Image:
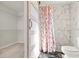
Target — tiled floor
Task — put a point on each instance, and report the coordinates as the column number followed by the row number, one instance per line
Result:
column 15, row 51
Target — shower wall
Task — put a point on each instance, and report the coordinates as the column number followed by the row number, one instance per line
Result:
column 8, row 34
column 61, row 20
column 75, row 24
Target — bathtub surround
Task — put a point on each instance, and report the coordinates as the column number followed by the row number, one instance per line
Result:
column 61, row 20
column 66, row 24
column 75, row 24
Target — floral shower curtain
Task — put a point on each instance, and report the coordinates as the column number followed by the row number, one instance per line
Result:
column 48, row 43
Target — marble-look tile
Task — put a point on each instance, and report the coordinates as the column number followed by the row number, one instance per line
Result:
column 61, row 22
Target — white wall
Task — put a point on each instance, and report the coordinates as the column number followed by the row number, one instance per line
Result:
column 7, row 26
column 20, row 29
column 75, row 23
column 61, row 20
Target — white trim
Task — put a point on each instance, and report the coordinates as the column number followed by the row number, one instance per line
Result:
column 8, row 45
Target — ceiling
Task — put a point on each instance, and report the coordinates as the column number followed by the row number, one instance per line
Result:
column 15, row 5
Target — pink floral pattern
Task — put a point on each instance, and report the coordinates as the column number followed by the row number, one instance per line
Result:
column 48, row 43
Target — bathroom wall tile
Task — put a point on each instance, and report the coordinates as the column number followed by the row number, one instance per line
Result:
column 61, row 22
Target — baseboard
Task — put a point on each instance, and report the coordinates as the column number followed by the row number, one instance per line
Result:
column 8, row 45
column 20, row 42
